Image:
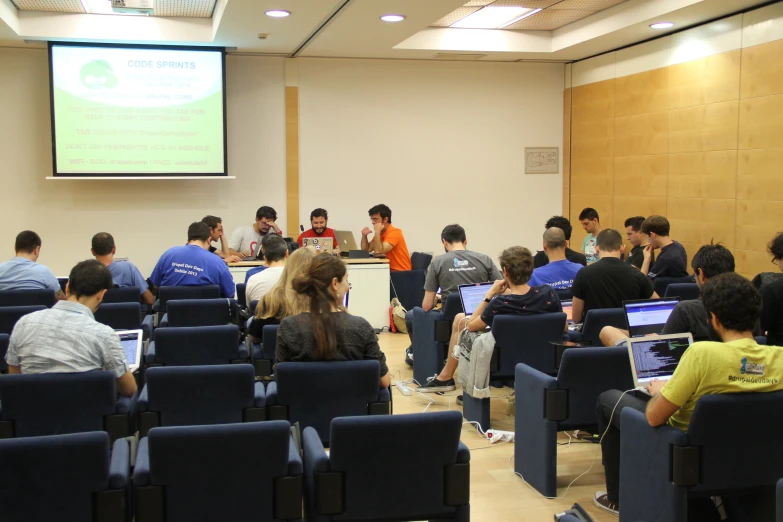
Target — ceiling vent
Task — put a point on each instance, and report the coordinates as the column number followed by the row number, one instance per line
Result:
column 458, row 56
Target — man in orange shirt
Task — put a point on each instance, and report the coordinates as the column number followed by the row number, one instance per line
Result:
column 387, row 239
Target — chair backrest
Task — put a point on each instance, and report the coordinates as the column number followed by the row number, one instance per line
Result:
column 730, row 443
column 9, row 315
column 120, row 316
column 199, row 312
column 420, row 261
column 252, row 307
column 525, row 339
column 127, row 294
column 408, row 287
column 53, row 478
column 43, row 297
column 452, row 307
column 196, row 345
column 660, row 284
column 206, row 470
column 269, row 341
column 418, row 471
column 596, row 319
column 317, row 392
column 57, row 403
column 191, row 395
column 588, row 372
column 4, row 338
column 685, row 291
column 242, row 294
column 167, row 293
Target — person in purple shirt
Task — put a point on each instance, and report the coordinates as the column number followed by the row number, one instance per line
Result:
column 124, row 273
column 193, row 265
column 559, row 273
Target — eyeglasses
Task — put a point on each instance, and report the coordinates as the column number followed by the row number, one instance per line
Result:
column 375, row 220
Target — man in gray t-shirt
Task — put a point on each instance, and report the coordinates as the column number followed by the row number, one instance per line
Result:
column 458, row 266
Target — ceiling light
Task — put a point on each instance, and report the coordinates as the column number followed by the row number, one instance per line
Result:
column 278, row 13
column 494, row 17
column 662, row 25
column 392, row 18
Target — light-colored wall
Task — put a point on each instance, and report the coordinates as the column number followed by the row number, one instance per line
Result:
column 145, row 217
column 439, row 143
column 687, row 126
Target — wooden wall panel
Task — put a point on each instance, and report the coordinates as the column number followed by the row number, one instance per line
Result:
column 760, row 175
column 703, row 174
column 591, row 175
column 641, row 134
column 707, row 80
column 567, row 109
column 292, row 159
column 642, row 93
column 594, row 101
column 630, row 206
column 761, row 124
column 592, row 139
column 762, row 70
column 640, row 176
column 703, row 127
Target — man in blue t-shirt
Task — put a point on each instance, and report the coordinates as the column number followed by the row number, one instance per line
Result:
column 193, row 265
column 23, row 272
column 559, row 273
column 123, row 273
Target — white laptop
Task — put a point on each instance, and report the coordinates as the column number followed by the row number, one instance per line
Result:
column 346, row 240
column 472, row 295
column 132, row 343
column 656, row 357
column 321, row 244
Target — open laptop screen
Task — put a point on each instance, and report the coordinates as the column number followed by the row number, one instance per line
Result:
column 472, row 295
column 568, row 307
column 131, row 341
column 648, row 316
column 657, row 357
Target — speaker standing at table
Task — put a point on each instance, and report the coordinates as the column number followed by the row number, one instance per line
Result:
column 387, row 239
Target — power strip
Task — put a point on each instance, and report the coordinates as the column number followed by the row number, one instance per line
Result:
column 403, row 389
column 500, row 436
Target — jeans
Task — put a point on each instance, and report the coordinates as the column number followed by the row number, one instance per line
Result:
column 610, row 447
column 409, row 324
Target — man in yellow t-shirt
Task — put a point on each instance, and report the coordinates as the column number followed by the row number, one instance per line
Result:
column 736, row 365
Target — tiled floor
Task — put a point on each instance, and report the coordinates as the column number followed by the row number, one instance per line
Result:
column 497, row 494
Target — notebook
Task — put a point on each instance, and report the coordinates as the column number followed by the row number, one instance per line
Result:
column 656, row 357
column 472, row 296
column 648, row 316
column 132, row 343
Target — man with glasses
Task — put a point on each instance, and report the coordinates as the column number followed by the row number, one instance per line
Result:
column 772, row 297
column 387, row 239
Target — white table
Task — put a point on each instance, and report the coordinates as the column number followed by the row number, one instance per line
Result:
column 369, row 280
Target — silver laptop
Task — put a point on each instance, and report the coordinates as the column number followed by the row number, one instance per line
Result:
column 346, row 240
column 321, row 244
column 472, row 296
column 656, row 357
column 648, row 316
column 133, row 343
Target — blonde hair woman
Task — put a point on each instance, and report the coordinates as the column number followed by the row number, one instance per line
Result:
column 282, row 301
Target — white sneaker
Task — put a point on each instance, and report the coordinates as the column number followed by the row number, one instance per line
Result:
column 601, row 500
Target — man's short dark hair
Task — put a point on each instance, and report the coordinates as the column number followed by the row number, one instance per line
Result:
column 88, row 278
column 562, row 223
column 733, row 300
column 27, row 241
column 102, row 243
column 775, row 246
column 635, row 223
column 383, row 210
column 274, row 248
column 198, row 231
column 609, row 240
column 518, row 262
column 453, row 234
column 713, row 260
column 319, row 212
column 212, row 221
column 554, row 238
column 588, row 213
column 267, row 213
column 658, row 225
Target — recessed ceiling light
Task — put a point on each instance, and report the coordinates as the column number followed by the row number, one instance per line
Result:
column 392, row 18
column 662, row 25
column 278, row 13
column 494, row 17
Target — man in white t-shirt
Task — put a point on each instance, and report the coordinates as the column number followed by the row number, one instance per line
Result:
column 275, row 253
column 245, row 241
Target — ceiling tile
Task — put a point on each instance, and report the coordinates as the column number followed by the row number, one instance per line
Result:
column 535, row 4
column 586, row 5
column 54, row 6
column 550, row 19
column 185, row 8
column 478, row 3
column 455, row 16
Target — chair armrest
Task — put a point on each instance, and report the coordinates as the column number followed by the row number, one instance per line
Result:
column 463, row 453
column 242, row 351
column 149, row 357
column 295, row 466
column 141, row 472
column 147, row 326
column 315, row 458
column 384, row 395
column 164, row 321
column 271, row 393
column 142, row 403
column 259, row 395
column 123, row 405
column 119, row 467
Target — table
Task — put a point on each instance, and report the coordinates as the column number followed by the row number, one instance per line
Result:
column 369, row 294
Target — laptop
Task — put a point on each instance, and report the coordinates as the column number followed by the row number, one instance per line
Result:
column 656, row 357
column 648, row 316
column 471, row 296
column 568, row 308
column 132, row 343
column 321, row 244
column 345, row 240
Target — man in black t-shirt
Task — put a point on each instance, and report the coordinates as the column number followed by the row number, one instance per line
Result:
column 563, row 224
column 672, row 261
column 633, row 231
column 608, row 282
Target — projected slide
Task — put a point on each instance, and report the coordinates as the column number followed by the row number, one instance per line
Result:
column 137, row 111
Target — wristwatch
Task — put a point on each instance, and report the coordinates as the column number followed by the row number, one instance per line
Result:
column 487, row 299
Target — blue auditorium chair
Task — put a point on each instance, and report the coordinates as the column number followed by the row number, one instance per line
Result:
column 545, row 405
column 660, row 284
column 43, row 297
column 594, row 321
column 199, row 312
column 242, row 295
column 58, row 403
column 420, row 261
column 367, row 465
column 226, row 472
column 779, row 501
column 685, row 291
column 431, row 334
column 124, row 316
column 263, row 353
column 194, row 395
column 4, row 338
column 126, row 294
column 314, row 393
column 408, row 287
column 65, row 477
column 518, row 339
column 196, row 345
column 168, row 293
column 9, row 315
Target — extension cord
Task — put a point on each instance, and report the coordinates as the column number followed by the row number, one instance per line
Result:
column 403, row 389
column 499, row 436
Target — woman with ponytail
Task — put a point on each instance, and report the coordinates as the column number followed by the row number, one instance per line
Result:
column 326, row 332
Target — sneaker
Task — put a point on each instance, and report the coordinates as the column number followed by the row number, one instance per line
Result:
column 459, row 400
column 409, row 356
column 601, row 500
column 435, row 386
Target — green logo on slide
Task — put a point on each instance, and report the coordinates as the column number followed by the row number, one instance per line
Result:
column 98, row 74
